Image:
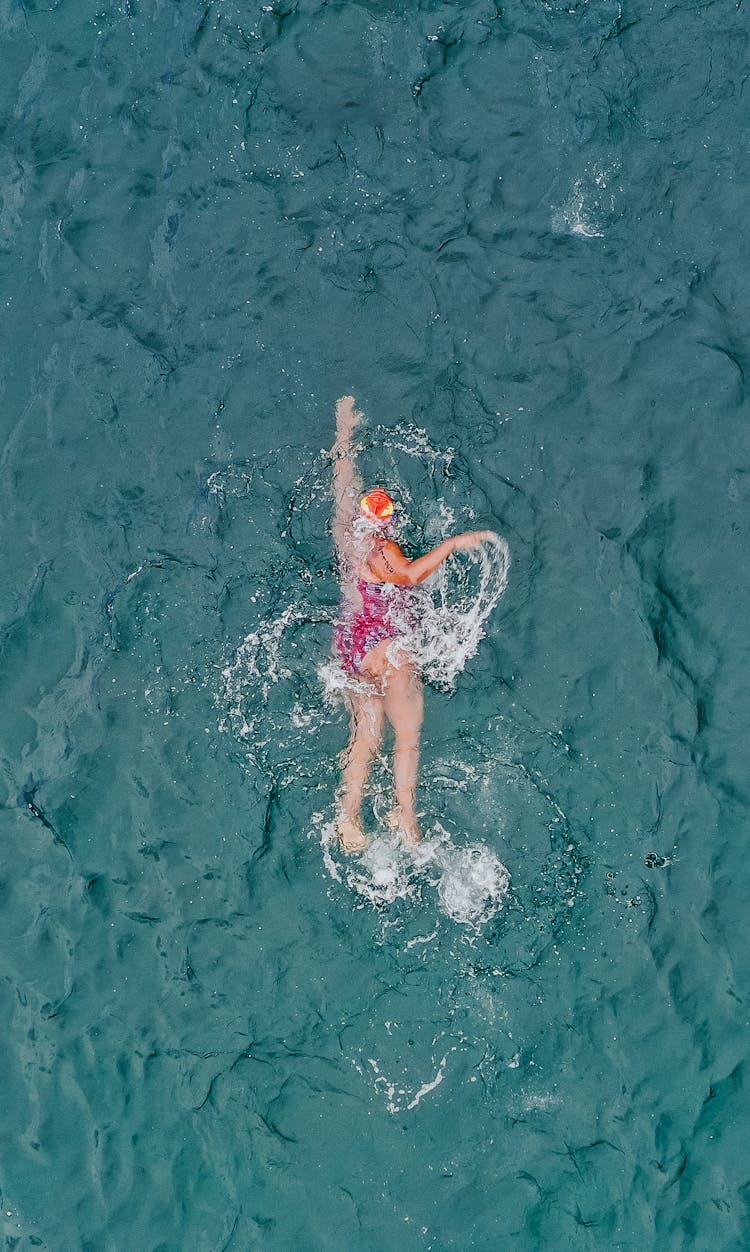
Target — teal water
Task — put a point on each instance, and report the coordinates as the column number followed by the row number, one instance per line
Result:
column 517, row 235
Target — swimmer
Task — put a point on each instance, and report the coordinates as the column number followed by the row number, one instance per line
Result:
column 390, row 685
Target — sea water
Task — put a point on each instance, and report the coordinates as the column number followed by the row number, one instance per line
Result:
column 515, row 235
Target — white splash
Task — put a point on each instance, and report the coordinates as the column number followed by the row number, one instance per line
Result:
column 413, row 441
column 255, row 667
column 589, row 200
column 444, row 623
column 573, row 214
column 471, row 882
column 401, row 1096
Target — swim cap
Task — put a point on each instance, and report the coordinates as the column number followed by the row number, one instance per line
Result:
column 377, row 506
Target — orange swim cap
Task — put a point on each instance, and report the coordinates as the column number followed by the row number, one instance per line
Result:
column 377, row 506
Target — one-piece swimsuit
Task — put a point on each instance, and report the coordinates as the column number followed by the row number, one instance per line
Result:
column 358, row 631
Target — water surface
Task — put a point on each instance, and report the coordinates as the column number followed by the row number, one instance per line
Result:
column 517, row 236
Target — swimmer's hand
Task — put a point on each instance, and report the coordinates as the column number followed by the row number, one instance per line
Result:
column 347, row 417
column 472, row 539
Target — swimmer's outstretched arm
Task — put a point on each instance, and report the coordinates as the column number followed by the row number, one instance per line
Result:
column 390, row 564
column 347, row 484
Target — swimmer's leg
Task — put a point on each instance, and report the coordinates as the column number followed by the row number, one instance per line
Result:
column 404, row 705
column 367, row 727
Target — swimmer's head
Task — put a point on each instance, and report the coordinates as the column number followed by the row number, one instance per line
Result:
column 377, row 506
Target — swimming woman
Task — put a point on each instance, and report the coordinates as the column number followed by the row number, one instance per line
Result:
column 375, row 578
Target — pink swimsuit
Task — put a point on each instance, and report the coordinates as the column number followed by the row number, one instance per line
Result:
column 359, row 630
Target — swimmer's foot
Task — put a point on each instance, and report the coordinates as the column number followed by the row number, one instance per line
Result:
column 351, row 835
column 408, row 831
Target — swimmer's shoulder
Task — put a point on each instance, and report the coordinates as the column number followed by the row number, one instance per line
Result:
column 387, row 563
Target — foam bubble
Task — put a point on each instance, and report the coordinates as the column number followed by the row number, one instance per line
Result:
column 473, row 884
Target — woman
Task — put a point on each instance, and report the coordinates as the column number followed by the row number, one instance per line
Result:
column 371, row 618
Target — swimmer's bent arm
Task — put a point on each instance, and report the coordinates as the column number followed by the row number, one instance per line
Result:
column 392, row 566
